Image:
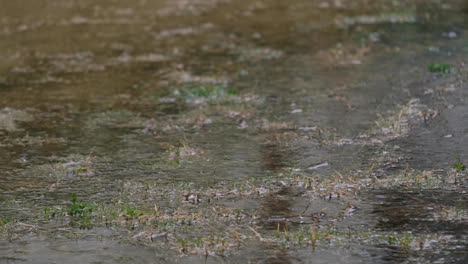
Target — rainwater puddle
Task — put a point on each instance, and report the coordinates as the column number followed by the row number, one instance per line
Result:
column 219, row 131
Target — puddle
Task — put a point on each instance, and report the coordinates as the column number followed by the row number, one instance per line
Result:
column 233, row 132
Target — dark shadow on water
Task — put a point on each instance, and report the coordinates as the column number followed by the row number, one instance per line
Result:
column 275, row 206
column 274, row 158
column 415, row 211
column 427, row 213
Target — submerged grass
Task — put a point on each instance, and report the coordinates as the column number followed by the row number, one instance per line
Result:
column 178, row 156
column 208, row 92
column 194, row 219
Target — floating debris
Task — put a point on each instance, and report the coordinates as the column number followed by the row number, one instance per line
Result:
column 316, row 166
column 296, row 111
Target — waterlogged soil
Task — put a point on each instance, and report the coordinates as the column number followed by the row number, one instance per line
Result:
column 232, row 131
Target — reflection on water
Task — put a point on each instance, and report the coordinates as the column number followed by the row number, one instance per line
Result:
column 430, row 213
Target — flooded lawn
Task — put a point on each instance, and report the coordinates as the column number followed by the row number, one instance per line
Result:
column 233, row 131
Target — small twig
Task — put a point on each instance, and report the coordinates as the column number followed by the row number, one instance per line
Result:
column 307, row 207
column 256, row 233
column 27, row 225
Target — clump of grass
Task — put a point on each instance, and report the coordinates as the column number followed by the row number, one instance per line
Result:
column 232, row 91
column 132, row 212
column 79, row 208
column 6, row 226
column 50, row 212
column 459, row 166
column 391, row 239
column 437, row 67
column 406, row 239
column 81, row 213
column 4, row 222
column 205, row 91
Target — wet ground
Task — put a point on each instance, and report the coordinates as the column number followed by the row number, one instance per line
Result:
column 232, row 131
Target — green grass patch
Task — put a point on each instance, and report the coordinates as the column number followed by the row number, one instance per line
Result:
column 232, row 91
column 438, row 67
column 4, row 222
column 80, row 208
column 459, row 166
column 50, row 212
column 207, row 91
